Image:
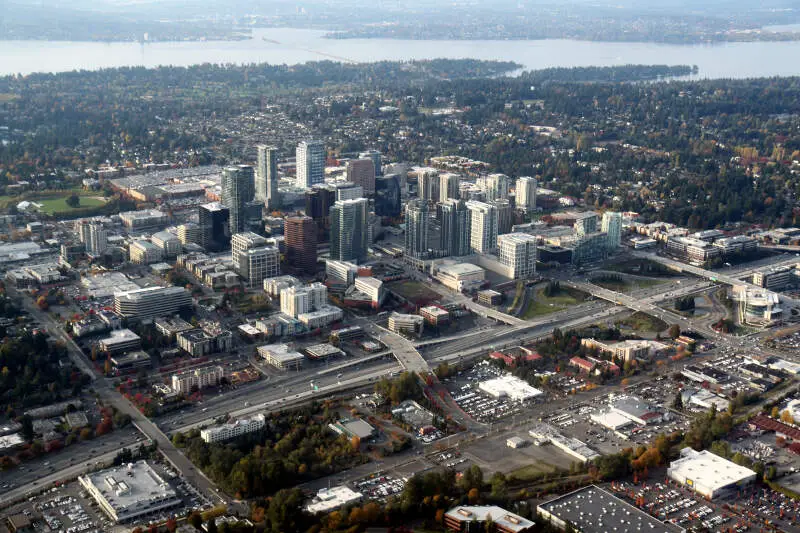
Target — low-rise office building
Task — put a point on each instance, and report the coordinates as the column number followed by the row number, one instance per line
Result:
column 198, row 342
column 120, row 341
column 234, row 428
column 409, row 324
column 281, row 356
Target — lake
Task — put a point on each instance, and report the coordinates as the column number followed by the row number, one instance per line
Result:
column 291, row 46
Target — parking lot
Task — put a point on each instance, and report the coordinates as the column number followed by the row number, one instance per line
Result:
column 380, row 486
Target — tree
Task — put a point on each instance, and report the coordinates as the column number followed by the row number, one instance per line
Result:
column 786, row 417
column 674, row 331
column 27, row 428
column 74, row 201
column 473, row 495
column 172, row 524
column 196, row 520
column 677, row 403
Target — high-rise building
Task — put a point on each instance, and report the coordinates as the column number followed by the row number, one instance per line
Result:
column 254, row 216
column 454, row 228
column 300, row 237
column 505, row 216
column 238, row 188
column 375, row 156
column 362, row 172
column 428, row 184
column 518, row 252
column 310, row 163
column 585, row 224
column 215, row 234
column 267, row 177
column 319, row 201
column 387, row 196
column 348, row 191
column 526, row 193
column 417, row 228
column 496, row 187
column 253, row 259
column 93, row 235
column 482, row 227
column 349, row 230
column 448, row 186
column 612, row 224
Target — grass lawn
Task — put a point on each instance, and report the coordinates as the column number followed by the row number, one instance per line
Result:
column 531, row 471
column 544, row 305
column 56, row 204
column 639, row 321
column 627, row 285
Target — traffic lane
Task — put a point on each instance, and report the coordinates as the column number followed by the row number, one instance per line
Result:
column 78, row 453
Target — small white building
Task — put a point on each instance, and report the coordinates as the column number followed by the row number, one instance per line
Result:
column 333, row 498
column 510, row 387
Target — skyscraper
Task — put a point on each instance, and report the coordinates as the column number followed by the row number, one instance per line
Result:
column 375, row 156
column 300, row 237
column 448, row 186
column 238, row 188
column 496, row 187
column 215, row 234
column 387, row 195
column 362, row 172
column 349, row 230
column 319, row 201
column 585, row 223
column 348, row 191
column 482, row 227
column 310, row 163
column 428, row 184
column 93, row 235
column 505, row 216
column 253, row 259
column 417, row 228
column 267, row 177
column 526, row 193
column 455, row 229
column 612, row 225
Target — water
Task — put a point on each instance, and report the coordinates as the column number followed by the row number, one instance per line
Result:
column 291, row 46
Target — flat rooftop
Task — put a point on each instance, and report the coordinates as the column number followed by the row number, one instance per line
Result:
column 130, row 487
column 506, row 520
column 708, row 469
column 594, row 510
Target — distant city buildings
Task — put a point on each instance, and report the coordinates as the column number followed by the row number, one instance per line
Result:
column 310, row 164
column 455, row 228
column 496, row 187
column 375, row 157
column 428, row 184
column 387, row 196
column 448, row 187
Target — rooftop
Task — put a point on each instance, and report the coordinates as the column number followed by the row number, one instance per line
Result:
column 708, row 469
column 129, row 488
column 504, row 519
column 460, row 269
column 511, row 387
column 120, row 335
column 594, row 510
column 332, row 498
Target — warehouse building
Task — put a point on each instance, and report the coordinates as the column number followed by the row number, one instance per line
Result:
column 129, row 492
column 594, row 510
column 709, row 474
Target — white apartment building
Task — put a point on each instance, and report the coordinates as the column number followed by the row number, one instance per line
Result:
column 483, row 227
column 496, row 187
column 518, row 253
column 201, row 378
column 448, row 187
column 372, row 287
column 299, row 300
column 234, row 428
column 343, row 271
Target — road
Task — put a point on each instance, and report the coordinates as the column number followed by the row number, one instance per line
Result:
column 109, row 396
